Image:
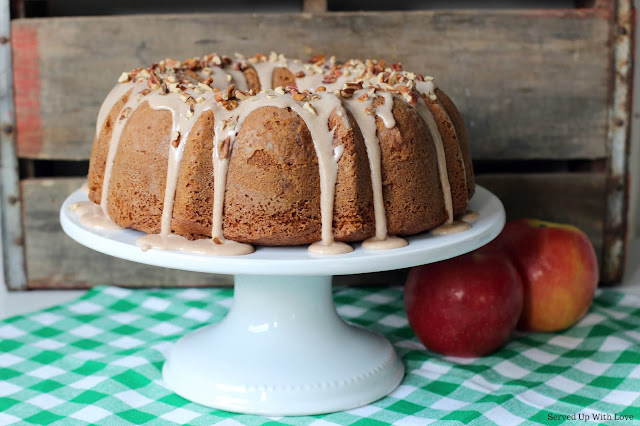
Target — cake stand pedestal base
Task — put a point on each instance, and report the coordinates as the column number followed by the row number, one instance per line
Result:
column 283, row 350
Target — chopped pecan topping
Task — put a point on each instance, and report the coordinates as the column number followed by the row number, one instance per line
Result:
column 124, row 77
column 192, row 64
column 318, row 59
column 205, row 87
column 230, row 104
column 142, row 94
column 175, row 138
column 241, row 95
column 223, row 148
column 125, row 113
column 172, row 63
column 346, row 93
column 230, row 91
column 310, row 108
column 411, row 97
column 300, row 96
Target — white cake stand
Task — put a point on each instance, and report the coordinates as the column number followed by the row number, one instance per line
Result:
column 282, row 349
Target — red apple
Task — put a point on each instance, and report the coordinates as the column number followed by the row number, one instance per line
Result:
column 559, row 271
column 466, row 306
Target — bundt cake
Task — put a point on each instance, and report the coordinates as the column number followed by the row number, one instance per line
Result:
column 216, row 154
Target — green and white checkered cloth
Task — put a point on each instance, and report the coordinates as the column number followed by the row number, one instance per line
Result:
column 98, row 360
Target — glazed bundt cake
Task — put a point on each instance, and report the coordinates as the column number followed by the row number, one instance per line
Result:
column 215, row 155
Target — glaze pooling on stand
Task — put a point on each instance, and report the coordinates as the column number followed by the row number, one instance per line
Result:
column 322, row 88
column 91, row 216
column 451, row 228
column 469, row 216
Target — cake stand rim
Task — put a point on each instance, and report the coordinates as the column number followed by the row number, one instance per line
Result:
column 422, row 249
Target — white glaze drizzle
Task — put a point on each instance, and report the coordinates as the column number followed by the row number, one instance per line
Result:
column 423, row 110
column 238, row 79
column 428, row 89
column 222, row 78
column 265, row 72
column 117, row 128
column 118, row 91
column 363, row 112
column 182, row 125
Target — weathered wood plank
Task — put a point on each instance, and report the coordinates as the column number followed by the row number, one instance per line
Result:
column 11, row 231
column 530, row 84
column 56, row 261
column 619, row 134
column 574, row 198
column 314, row 6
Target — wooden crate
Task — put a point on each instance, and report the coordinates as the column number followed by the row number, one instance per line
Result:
column 545, row 95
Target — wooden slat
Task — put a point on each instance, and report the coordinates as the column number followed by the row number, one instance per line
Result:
column 11, row 231
column 615, row 217
column 531, row 84
column 56, row 261
column 314, row 6
column 576, row 198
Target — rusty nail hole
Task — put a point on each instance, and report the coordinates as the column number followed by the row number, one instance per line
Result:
column 619, row 122
column 12, row 199
column 7, row 129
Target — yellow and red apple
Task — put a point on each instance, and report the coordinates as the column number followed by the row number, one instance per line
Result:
column 558, row 267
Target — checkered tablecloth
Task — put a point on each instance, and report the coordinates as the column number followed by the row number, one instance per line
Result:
column 97, row 360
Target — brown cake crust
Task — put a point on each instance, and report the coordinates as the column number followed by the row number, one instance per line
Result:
column 353, row 218
column 455, row 165
column 273, row 189
column 463, row 138
column 192, row 215
column 283, row 77
column 253, row 81
column 100, row 150
column 138, row 180
column 411, row 185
